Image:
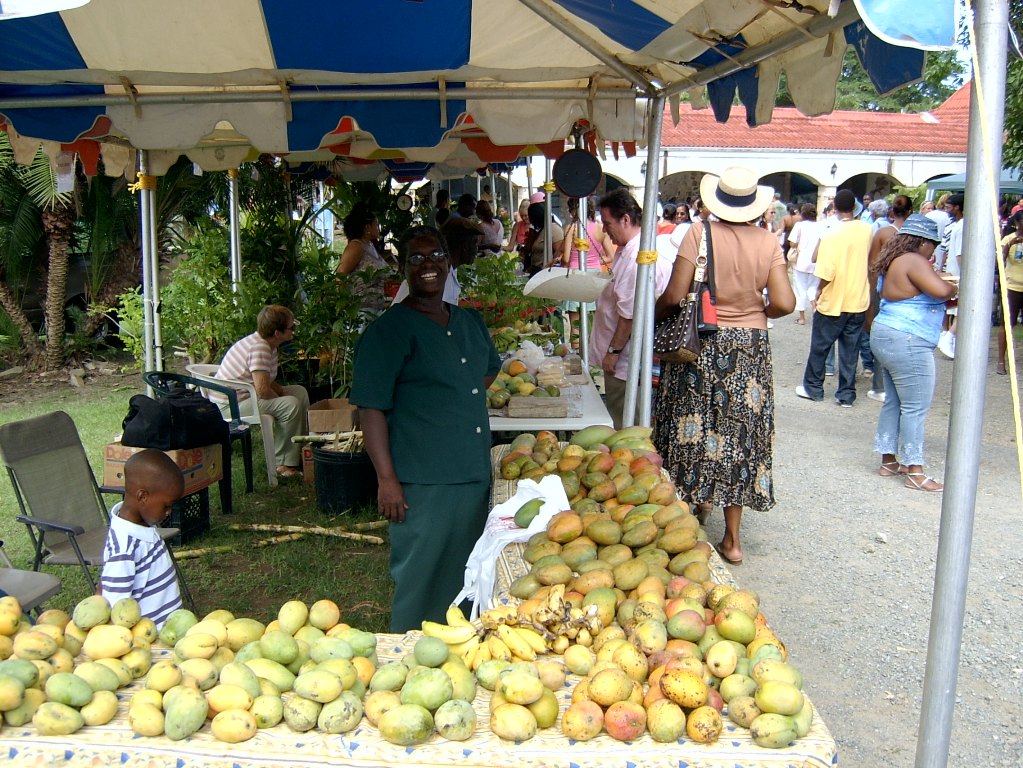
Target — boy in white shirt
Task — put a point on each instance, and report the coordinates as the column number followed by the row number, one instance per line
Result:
column 136, row 562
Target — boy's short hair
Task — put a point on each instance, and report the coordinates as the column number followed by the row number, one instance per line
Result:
column 151, row 469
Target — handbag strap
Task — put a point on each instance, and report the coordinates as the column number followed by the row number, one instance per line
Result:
column 709, row 281
column 702, row 262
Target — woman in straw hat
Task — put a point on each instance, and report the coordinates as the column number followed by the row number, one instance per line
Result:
column 714, row 419
column 903, row 337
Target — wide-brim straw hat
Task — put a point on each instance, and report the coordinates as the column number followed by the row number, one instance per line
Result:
column 735, row 195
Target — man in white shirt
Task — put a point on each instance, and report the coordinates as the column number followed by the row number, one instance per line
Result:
column 953, row 244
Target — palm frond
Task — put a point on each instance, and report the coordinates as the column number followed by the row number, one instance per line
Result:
column 41, row 184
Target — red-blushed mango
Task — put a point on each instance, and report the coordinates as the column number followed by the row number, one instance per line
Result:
column 601, row 463
column 662, row 493
column 585, row 583
column 603, row 491
column 582, row 721
column 625, row 721
column 564, row 527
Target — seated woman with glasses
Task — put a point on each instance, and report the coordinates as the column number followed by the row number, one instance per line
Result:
column 254, row 359
column 421, row 373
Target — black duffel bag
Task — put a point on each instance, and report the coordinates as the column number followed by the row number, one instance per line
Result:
column 182, row 419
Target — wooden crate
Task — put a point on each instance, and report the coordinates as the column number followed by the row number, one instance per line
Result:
column 537, row 407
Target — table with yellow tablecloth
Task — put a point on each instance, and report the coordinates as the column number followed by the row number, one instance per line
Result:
column 115, row 744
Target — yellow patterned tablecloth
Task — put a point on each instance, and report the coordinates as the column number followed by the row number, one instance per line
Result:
column 115, row 745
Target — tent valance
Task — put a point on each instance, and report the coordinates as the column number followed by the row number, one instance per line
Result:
column 404, row 81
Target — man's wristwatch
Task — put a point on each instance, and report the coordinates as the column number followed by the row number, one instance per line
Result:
column 613, row 351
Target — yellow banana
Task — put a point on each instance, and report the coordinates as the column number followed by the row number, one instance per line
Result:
column 447, row 633
column 556, row 598
column 455, row 617
column 516, row 643
column 531, row 636
column 481, row 655
column 469, row 651
column 498, row 648
column 459, row 649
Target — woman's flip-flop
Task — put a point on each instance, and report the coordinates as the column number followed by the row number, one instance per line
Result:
column 726, row 558
column 285, row 472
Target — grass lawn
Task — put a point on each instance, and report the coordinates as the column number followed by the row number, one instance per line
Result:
column 246, row 581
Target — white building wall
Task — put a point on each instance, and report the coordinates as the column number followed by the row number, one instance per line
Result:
column 908, row 169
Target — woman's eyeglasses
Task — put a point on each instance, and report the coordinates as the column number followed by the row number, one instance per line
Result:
column 293, row 326
column 437, row 257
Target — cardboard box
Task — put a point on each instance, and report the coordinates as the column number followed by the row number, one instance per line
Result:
column 334, row 415
column 308, row 464
column 200, row 467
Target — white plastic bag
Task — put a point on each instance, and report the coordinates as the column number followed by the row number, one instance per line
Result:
column 531, row 356
column 500, row 530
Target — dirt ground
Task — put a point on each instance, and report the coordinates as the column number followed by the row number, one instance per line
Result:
column 844, row 565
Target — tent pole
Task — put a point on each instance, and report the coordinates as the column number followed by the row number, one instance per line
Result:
column 154, row 275
column 582, row 235
column 147, row 294
column 983, row 162
column 637, row 387
column 235, row 229
column 548, row 188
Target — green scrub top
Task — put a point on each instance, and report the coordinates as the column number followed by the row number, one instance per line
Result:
column 428, row 381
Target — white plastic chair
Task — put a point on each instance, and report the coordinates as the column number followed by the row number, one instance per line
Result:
column 249, row 412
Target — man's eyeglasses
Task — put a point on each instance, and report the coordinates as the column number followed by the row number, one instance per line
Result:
column 437, row 257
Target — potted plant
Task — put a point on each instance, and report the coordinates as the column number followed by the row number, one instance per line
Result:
column 331, row 317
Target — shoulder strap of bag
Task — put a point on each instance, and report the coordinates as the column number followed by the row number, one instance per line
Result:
column 709, row 245
column 702, row 260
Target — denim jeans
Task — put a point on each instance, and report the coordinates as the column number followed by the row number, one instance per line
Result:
column 866, row 357
column 908, row 362
column 845, row 329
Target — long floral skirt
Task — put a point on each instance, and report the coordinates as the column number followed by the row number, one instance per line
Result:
column 714, row 421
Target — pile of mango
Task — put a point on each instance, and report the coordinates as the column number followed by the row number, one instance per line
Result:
column 40, row 680
column 514, row 380
column 305, row 668
column 672, row 650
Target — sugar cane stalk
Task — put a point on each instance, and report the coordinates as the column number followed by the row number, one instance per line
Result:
column 314, row 529
column 187, row 554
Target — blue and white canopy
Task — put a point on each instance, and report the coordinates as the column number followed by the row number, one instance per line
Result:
column 455, row 82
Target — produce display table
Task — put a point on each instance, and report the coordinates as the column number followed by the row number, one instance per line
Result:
column 735, row 747
column 115, row 744
column 593, row 412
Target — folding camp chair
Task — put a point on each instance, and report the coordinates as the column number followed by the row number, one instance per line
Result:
column 250, row 414
column 57, row 493
column 163, row 382
column 28, row 587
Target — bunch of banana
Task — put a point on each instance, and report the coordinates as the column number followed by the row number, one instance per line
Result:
column 505, row 339
column 561, row 622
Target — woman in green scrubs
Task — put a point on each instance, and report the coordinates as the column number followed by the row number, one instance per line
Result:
column 421, row 373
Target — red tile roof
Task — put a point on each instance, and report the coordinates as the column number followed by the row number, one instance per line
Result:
column 943, row 131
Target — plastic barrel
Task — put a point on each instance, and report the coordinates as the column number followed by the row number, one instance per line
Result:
column 343, row 480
